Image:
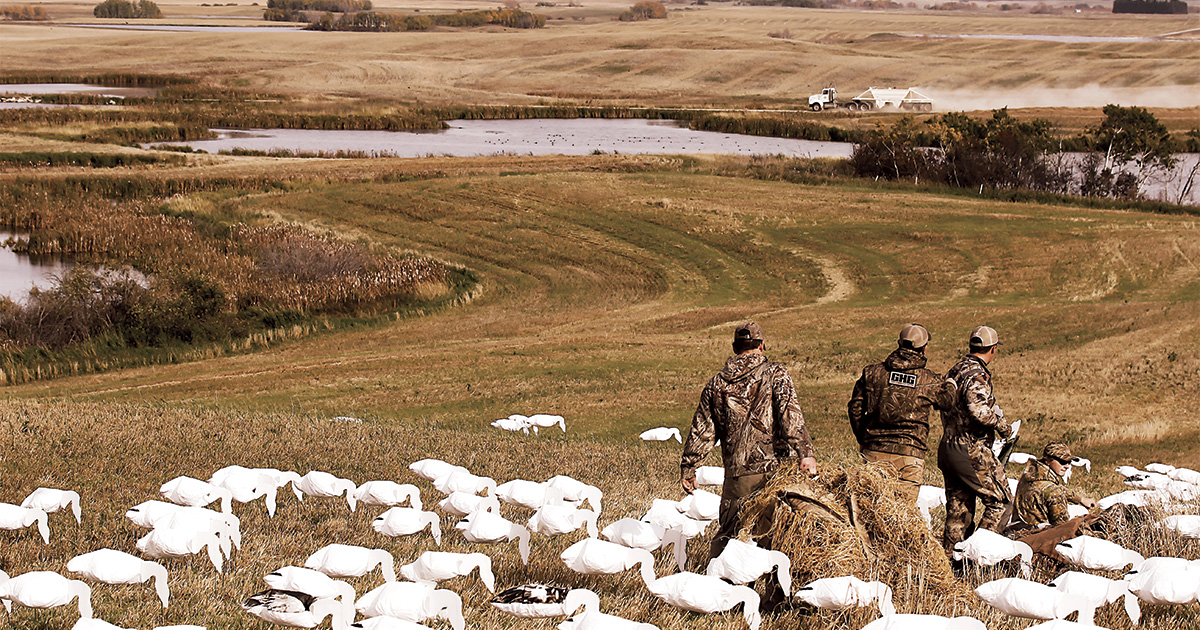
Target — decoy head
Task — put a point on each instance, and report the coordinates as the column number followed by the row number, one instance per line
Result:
column 449, row 607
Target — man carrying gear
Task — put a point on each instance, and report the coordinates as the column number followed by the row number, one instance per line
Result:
column 751, row 407
column 889, row 410
column 969, row 428
column 1042, row 495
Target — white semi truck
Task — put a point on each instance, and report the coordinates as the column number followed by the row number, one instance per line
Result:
column 873, row 98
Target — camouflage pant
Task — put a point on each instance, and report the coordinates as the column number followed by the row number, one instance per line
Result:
column 909, row 471
column 971, row 472
column 732, row 492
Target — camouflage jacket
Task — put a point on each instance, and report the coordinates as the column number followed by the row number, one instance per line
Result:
column 972, row 419
column 1042, row 496
column 889, row 410
column 751, row 407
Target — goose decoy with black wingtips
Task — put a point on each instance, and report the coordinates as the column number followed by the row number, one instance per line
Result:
column 313, row 583
column 464, row 503
column 744, row 562
column 13, row 517
column 343, row 561
column 46, row 589
column 196, row 493
column 51, row 500
column 1099, row 591
column 389, row 493
column 538, row 601
column 413, row 601
column 117, row 567
column 295, row 609
column 318, row 483
column 490, row 527
column 844, row 593
column 403, row 521
column 1097, row 554
column 438, row 566
column 630, row 532
column 707, row 594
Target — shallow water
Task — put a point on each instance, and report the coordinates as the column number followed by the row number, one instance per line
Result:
column 19, row 272
column 467, row 138
column 190, row 28
column 74, row 88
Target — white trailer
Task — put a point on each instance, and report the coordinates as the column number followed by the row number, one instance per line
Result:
column 873, row 98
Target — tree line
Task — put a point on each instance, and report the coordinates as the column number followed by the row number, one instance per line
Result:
column 394, row 22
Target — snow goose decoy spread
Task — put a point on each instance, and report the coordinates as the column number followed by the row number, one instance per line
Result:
column 843, row 593
column 1186, row 475
column 177, row 543
column 46, row 589
column 117, row 567
column 701, row 505
column 710, row 476
column 1033, row 600
column 1099, row 591
column 1186, row 525
column 465, row 481
column 592, row 556
column 437, row 566
column 515, row 422
column 17, row 517
column 987, row 548
column 295, row 609
column 555, row 520
column 413, row 601
column 538, row 601
column 665, row 514
column 1097, row 554
column 592, row 619
column 51, row 500
column 402, row 521
column 661, row 434
column 630, row 532
column 1161, row 469
column 464, row 503
column 529, row 494
column 343, row 561
column 313, row 583
column 576, row 491
column 227, row 527
column 322, row 484
column 490, row 527
column 545, row 421
column 743, row 562
column 433, row 469
column 1166, row 581
column 196, row 493
column 247, row 485
column 1135, row 498
column 707, row 594
column 924, row 622
column 388, row 493
column 928, row 499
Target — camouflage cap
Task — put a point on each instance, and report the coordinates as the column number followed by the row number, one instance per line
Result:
column 984, row 337
column 915, row 335
column 748, row 331
column 1059, row 451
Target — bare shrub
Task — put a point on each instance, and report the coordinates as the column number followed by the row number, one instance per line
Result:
column 644, row 10
column 784, row 34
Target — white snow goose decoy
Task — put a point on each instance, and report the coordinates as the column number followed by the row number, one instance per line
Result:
column 594, row 556
column 555, row 520
column 661, row 434
column 343, row 561
column 402, row 521
column 433, row 469
column 545, row 421
column 196, row 493
column 743, row 562
column 1161, row 469
column 1099, row 591
column 924, row 622
column 163, row 543
column 1186, row 475
column 576, row 491
column 246, row 485
column 707, row 594
column 1021, row 458
column 700, row 505
column 322, row 484
column 1033, row 600
column 930, row 498
column 464, row 481
column 538, row 601
column 529, row 494
column 987, row 548
column 226, row 526
column 710, row 476
column 413, row 601
column 665, row 514
column 117, row 567
column 51, row 500
column 295, row 609
column 630, row 532
column 438, row 566
column 1185, row 525
column 515, row 422
column 313, row 583
column 844, row 593
column 389, row 493
column 1097, row 554
column 1166, row 581
column 45, row 589
column 464, row 503
column 592, row 619
column 16, row 517
column 490, row 527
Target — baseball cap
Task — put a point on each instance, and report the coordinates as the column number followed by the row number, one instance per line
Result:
column 984, row 337
column 748, row 331
column 915, row 335
column 1059, row 451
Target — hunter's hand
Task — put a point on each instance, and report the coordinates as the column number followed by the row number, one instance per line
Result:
column 688, row 485
column 809, row 465
column 1088, row 502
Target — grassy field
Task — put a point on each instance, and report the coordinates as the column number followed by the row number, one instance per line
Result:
column 609, row 288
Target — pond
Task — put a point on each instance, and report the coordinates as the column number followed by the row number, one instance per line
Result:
column 20, row 272
column 36, row 89
column 191, row 28
column 543, row 136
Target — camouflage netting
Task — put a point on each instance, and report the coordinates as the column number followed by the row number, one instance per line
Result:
column 852, row 521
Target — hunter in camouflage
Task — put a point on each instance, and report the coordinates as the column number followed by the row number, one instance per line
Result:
column 1042, row 494
column 751, row 407
column 969, row 428
column 889, row 409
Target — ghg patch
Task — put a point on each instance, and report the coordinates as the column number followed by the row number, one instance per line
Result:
column 902, row 379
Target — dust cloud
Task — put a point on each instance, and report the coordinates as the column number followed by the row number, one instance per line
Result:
column 1088, row 96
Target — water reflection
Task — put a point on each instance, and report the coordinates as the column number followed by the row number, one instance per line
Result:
column 20, row 272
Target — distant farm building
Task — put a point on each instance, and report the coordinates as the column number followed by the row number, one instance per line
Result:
column 1150, row 6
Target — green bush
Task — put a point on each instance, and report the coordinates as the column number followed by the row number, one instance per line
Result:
column 126, row 9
